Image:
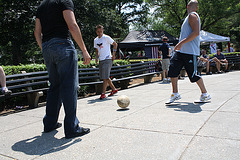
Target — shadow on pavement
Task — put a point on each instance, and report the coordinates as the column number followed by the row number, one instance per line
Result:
column 98, row 100
column 123, row 109
column 44, row 144
column 186, row 107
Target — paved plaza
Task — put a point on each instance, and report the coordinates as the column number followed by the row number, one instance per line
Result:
column 148, row 130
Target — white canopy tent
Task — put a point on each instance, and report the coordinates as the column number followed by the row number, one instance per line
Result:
column 206, row 37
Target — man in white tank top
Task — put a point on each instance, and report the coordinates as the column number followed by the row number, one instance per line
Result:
column 187, row 50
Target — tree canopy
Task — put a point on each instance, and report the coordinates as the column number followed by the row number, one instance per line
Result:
column 18, row 46
column 219, row 17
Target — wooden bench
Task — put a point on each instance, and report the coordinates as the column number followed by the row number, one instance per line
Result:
column 33, row 84
column 233, row 61
column 122, row 74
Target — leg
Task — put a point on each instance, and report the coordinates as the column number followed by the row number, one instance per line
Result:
column 174, row 84
column 175, row 67
column 208, row 67
column 218, row 63
column 164, row 74
column 164, row 67
column 218, row 66
column 68, row 71
column 2, row 77
column 226, row 65
column 111, row 84
column 201, row 85
column 53, row 98
column 105, row 82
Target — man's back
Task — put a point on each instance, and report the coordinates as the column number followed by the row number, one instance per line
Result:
column 165, row 50
column 50, row 13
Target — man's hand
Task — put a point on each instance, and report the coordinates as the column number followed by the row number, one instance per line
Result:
column 87, row 58
column 96, row 60
column 113, row 57
column 178, row 46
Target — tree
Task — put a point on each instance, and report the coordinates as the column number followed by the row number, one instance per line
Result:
column 211, row 13
column 16, row 29
column 17, row 44
column 108, row 13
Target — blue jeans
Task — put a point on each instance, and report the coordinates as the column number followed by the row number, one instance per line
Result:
column 61, row 60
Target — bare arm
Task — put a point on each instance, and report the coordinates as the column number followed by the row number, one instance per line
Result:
column 114, row 52
column 76, row 33
column 97, row 56
column 169, row 52
column 194, row 23
column 38, row 32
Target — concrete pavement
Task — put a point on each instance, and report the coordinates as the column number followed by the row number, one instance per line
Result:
column 149, row 130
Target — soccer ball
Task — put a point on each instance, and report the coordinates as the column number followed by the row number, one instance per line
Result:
column 123, row 101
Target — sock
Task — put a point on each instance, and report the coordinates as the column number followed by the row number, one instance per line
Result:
column 175, row 93
column 204, row 94
column 4, row 89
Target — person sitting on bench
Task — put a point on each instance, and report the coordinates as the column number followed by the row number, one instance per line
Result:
column 5, row 90
column 203, row 61
column 220, row 60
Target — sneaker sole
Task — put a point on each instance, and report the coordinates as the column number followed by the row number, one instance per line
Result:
column 205, row 101
column 174, row 100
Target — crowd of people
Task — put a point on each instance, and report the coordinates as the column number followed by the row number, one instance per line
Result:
column 218, row 60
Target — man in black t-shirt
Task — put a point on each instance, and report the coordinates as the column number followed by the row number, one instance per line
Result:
column 55, row 21
column 166, row 51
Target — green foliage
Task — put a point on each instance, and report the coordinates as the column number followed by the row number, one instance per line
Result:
column 17, row 43
column 226, row 54
column 16, row 29
column 9, row 70
column 90, row 13
column 218, row 17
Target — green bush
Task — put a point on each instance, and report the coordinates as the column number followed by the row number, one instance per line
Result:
column 226, row 54
column 9, row 70
column 21, row 100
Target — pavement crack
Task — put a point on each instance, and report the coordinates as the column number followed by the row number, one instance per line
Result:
column 7, row 156
column 195, row 135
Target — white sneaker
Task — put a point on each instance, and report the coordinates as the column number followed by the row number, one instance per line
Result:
column 173, row 98
column 164, row 79
column 205, row 98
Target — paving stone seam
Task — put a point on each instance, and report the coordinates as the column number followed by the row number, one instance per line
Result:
column 205, row 124
column 229, row 112
column 20, row 126
column 222, row 138
column 21, row 115
column 146, row 130
column 7, row 156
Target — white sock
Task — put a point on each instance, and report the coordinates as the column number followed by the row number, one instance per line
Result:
column 175, row 93
column 4, row 89
column 205, row 94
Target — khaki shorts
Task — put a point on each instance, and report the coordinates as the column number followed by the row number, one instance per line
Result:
column 165, row 64
column 105, row 68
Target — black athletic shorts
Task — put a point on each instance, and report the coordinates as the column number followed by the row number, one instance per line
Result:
column 188, row 61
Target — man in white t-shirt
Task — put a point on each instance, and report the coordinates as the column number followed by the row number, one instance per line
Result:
column 103, row 43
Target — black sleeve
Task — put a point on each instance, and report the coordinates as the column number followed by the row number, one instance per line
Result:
column 67, row 5
column 38, row 13
column 160, row 48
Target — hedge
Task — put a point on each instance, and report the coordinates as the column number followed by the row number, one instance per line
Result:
column 226, row 54
column 9, row 70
